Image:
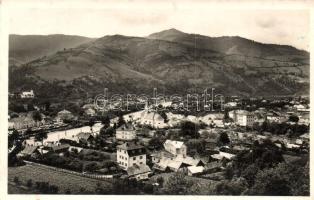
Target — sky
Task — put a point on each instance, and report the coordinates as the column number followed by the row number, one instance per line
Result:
column 277, row 26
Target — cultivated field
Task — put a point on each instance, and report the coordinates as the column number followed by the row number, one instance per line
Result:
column 63, row 180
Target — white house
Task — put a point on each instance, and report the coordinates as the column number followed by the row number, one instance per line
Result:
column 126, row 132
column 193, row 170
column 130, row 154
column 175, row 147
column 242, row 117
column 27, row 94
column 139, row 172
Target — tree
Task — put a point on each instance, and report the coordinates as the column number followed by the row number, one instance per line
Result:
column 160, row 181
column 233, row 187
column 269, row 182
column 177, row 184
column 16, row 180
column 37, row 117
column 29, row 183
column 189, row 128
column 105, row 120
column 155, row 143
column 47, row 105
column 121, row 120
column 293, row 118
column 13, row 137
column 148, row 188
column 224, row 138
column 40, row 136
column 164, row 116
column 91, row 123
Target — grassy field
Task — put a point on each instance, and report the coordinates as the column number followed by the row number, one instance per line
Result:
column 205, row 185
column 63, row 180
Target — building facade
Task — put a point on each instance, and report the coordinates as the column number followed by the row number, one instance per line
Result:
column 126, row 132
column 242, row 117
column 130, row 154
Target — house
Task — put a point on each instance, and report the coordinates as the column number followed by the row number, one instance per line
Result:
column 27, row 94
column 138, row 172
column 129, row 154
column 215, row 120
column 175, row 147
column 292, row 146
column 32, row 142
column 74, row 148
column 90, row 112
column 222, row 155
column 153, row 119
column 25, row 121
column 177, row 163
column 157, row 156
column 194, row 170
column 230, row 104
column 213, row 166
column 305, row 137
column 29, row 151
column 84, row 137
column 126, row 132
column 242, row 117
column 58, row 148
column 65, row 115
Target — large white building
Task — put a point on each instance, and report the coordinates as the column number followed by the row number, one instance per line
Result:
column 130, row 154
column 242, row 117
column 126, row 132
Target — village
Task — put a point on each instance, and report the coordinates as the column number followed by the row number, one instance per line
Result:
column 159, row 150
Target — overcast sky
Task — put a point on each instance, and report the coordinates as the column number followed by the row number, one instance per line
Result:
column 268, row 26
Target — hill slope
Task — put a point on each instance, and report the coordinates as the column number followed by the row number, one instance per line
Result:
column 24, row 48
column 137, row 65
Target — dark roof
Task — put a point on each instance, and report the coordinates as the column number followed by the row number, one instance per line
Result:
column 137, row 152
column 60, row 147
column 130, row 146
column 84, row 136
column 29, row 150
column 126, row 127
column 138, row 169
column 162, row 153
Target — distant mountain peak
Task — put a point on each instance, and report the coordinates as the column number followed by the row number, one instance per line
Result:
column 166, row 34
column 173, row 30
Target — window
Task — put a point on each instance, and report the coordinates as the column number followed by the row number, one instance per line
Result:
column 141, row 157
column 124, row 151
column 141, row 162
column 134, row 158
column 125, row 164
column 125, row 158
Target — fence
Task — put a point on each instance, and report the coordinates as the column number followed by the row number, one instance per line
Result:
column 93, row 176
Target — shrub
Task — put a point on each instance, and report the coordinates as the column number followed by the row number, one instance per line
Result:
column 29, row 183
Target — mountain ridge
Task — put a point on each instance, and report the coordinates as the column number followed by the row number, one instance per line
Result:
column 133, row 64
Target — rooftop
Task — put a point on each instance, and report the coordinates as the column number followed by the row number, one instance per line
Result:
column 176, row 144
column 138, row 169
column 130, row 146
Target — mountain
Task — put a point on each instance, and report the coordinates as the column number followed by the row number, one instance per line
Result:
column 232, row 45
column 25, row 48
column 169, row 61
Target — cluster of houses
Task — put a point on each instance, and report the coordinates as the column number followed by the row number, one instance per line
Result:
column 140, row 162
